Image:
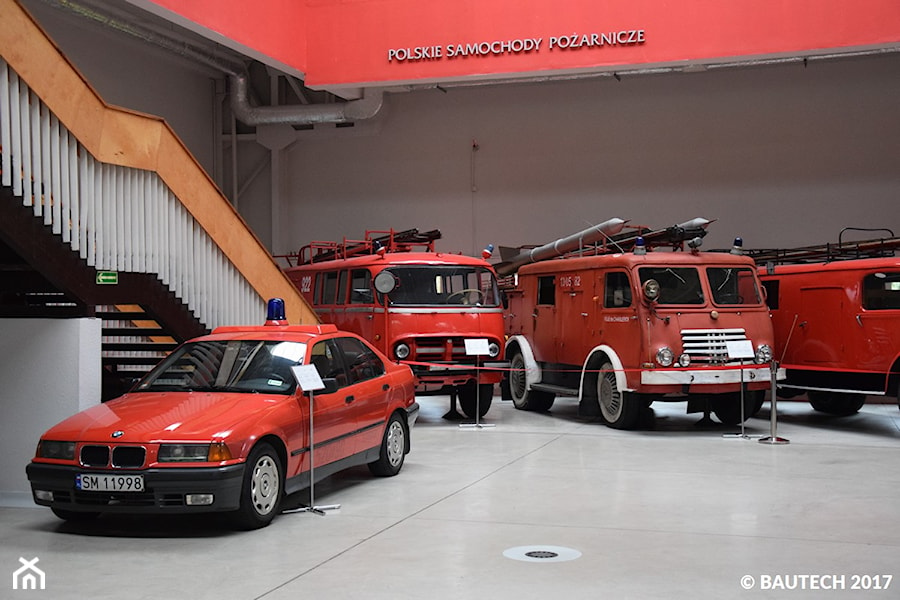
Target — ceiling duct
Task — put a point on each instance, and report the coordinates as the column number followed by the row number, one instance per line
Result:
column 355, row 110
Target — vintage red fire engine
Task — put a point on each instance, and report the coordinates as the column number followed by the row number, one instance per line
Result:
column 619, row 329
column 836, row 313
column 418, row 306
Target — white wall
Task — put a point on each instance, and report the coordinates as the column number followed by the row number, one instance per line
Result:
column 780, row 155
column 50, row 370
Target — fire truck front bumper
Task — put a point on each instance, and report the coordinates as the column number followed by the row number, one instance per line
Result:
column 748, row 374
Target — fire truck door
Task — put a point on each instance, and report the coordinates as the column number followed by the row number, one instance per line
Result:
column 573, row 317
column 819, row 331
column 544, row 320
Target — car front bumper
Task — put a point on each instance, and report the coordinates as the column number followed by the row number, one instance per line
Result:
column 165, row 490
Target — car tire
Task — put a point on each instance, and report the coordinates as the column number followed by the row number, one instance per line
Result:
column 468, row 399
column 833, row 403
column 523, row 398
column 74, row 515
column 393, row 449
column 618, row 409
column 262, row 489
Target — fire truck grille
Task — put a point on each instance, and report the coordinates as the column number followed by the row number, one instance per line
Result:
column 708, row 346
column 441, row 350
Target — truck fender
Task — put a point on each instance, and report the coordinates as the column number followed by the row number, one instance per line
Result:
column 621, row 380
column 533, row 373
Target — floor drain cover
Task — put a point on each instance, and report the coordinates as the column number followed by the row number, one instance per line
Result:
column 542, row 553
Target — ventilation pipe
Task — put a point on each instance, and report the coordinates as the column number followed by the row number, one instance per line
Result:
column 355, row 110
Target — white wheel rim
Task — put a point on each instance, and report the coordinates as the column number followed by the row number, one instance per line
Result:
column 395, row 443
column 265, row 485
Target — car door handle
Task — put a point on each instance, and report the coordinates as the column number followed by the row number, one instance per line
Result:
column 349, row 399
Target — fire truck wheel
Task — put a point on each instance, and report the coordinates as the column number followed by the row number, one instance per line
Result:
column 833, row 403
column 523, row 398
column 728, row 406
column 468, row 399
column 618, row 409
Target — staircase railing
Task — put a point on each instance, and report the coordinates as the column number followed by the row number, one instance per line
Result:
column 122, row 190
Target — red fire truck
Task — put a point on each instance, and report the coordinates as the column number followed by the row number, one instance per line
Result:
column 418, row 306
column 636, row 319
column 836, row 313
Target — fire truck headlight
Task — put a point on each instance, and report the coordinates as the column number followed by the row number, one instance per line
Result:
column 493, row 350
column 651, row 289
column 763, row 354
column 684, row 360
column 401, row 351
column 665, row 357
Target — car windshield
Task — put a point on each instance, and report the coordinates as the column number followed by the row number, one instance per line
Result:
column 439, row 285
column 733, row 285
column 677, row 285
column 248, row 366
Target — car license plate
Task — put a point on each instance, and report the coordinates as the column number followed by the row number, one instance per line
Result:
column 87, row 482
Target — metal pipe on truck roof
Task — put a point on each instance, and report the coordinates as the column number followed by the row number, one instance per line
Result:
column 562, row 246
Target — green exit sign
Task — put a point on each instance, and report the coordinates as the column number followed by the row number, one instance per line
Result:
column 107, row 277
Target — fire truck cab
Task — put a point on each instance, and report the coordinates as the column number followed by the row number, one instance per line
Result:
column 418, row 306
column 836, row 313
column 620, row 329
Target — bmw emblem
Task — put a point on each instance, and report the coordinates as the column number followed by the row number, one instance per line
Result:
column 118, row 434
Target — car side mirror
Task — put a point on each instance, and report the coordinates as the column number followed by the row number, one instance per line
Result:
column 331, row 386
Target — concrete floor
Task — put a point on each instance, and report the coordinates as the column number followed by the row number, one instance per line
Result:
column 671, row 511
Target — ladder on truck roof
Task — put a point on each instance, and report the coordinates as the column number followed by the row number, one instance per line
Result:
column 389, row 240
column 829, row 252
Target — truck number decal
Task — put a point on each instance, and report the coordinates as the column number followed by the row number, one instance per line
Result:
column 306, row 284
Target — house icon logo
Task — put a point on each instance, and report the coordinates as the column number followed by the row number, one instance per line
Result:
column 28, row 576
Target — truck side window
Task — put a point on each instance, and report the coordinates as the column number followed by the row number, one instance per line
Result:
column 617, row 290
column 881, row 291
column 771, row 286
column 342, row 288
column 361, row 287
column 330, row 287
column 546, row 290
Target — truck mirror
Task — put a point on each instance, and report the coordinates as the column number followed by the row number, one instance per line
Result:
column 504, row 299
column 385, row 282
column 651, row 290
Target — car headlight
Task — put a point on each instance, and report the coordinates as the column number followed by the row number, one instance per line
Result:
column 493, row 350
column 764, row 354
column 401, row 351
column 57, row 450
column 684, row 360
column 665, row 357
column 183, row 452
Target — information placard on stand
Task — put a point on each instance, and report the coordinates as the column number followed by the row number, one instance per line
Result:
column 740, row 349
column 308, row 379
column 477, row 347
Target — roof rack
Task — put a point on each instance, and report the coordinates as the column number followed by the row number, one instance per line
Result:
column 389, row 240
column 829, row 252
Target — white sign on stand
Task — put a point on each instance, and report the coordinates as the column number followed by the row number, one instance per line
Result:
column 309, row 380
column 477, row 347
column 740, row 349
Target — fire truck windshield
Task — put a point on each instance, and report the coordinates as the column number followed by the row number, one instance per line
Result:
column 440, row 285
column 681, row 285
column 677, row 285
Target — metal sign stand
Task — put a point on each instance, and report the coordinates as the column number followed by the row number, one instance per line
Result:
column 309, row 381
column 740, row 349
column 477, row 347
column 773, row 438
